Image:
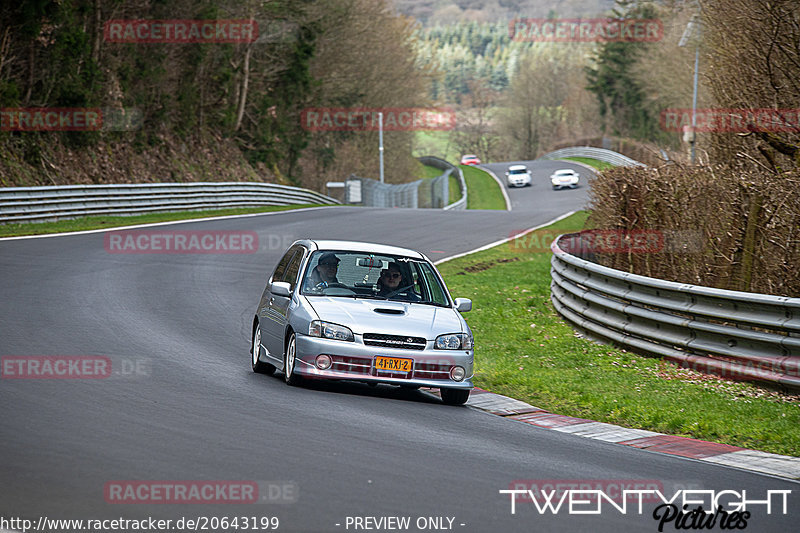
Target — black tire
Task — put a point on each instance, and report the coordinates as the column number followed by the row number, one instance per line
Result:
column 258, row 366
column 289, row 361
column 454, row 396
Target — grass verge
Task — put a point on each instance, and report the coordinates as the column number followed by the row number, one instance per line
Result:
column 482, row 190
column 526, row 351
column 599, row 165
column 103, row 222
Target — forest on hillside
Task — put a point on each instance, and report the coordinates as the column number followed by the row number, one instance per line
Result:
column 223, row 111
column 205, row 110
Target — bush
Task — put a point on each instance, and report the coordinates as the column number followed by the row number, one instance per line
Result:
column 728, row 227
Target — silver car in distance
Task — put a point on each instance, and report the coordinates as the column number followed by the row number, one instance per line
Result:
column 364, row 312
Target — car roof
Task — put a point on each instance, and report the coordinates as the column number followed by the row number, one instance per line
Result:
column 564, row 170
column 357, row 246
column 517, row 167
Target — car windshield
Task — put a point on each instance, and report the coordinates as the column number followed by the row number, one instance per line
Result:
column 351, row 274
column 519, row 171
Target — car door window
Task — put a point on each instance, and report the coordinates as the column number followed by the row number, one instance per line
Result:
column 432, row 289
column 292, row 269
column 282, row 264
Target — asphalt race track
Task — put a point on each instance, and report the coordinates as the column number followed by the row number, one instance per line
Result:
column 182, row 404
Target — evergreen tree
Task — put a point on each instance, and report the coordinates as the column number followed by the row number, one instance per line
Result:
column 622, row 101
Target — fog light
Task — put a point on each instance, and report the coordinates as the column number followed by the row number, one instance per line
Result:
column 324, row 362
column 457, row 373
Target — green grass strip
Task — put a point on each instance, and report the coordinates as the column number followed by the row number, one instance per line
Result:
column 104, row 222
column 526, row 351
column 599, row 165
column 429, row 172
column 483, row 192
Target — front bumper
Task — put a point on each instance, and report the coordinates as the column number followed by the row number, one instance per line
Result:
column 565, row 184
column 356, row 361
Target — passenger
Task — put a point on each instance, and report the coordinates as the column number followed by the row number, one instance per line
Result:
column 392, row 283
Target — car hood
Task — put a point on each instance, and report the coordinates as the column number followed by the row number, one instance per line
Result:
column 388, row 317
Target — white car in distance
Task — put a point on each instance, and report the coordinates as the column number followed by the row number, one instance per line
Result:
column 518, row 176
column 565, row 177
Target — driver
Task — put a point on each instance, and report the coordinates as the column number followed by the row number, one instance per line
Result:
column 392, row 283
column 324, row 273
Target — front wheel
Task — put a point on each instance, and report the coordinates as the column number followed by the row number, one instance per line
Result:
column 454, row 396
column 257, row 365
column 289, row 360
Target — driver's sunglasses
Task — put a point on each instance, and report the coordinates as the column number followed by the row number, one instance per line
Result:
column 392, row 275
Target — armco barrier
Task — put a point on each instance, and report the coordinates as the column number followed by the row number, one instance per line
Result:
column 54, row 202
column 738, row 335
column 601, row 154
column 443, row 165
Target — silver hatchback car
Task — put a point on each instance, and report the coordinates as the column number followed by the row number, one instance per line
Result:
column 365, row 312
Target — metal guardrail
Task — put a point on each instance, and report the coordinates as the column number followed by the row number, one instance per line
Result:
column 601, row 154
column 448, row 168
column 376, row 194
column 54, row 202
column 739, row 335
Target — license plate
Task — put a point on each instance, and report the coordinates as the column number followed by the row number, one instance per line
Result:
column 394, row 364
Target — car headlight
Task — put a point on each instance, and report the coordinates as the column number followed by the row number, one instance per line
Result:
column 454, row 341
column 319, row 328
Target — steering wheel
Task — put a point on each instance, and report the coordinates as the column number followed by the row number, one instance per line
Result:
column 399, row 291
column 325, row 285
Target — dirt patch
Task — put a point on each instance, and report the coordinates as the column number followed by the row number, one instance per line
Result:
column 486, row 265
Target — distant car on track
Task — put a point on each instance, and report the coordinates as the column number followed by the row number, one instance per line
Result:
column 518, row 176
column 470, row 160
column 563, row 178
column 342, row 310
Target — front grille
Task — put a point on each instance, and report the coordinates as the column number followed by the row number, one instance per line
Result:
column 432, row 371
column 356, row 365
column 394, row 341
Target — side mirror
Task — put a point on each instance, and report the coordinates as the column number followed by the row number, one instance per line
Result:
column 463, row 305
column 281, row 288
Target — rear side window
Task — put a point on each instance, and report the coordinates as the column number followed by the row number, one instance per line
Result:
column 290, row 275
column 289, row 265
column 282, row 264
